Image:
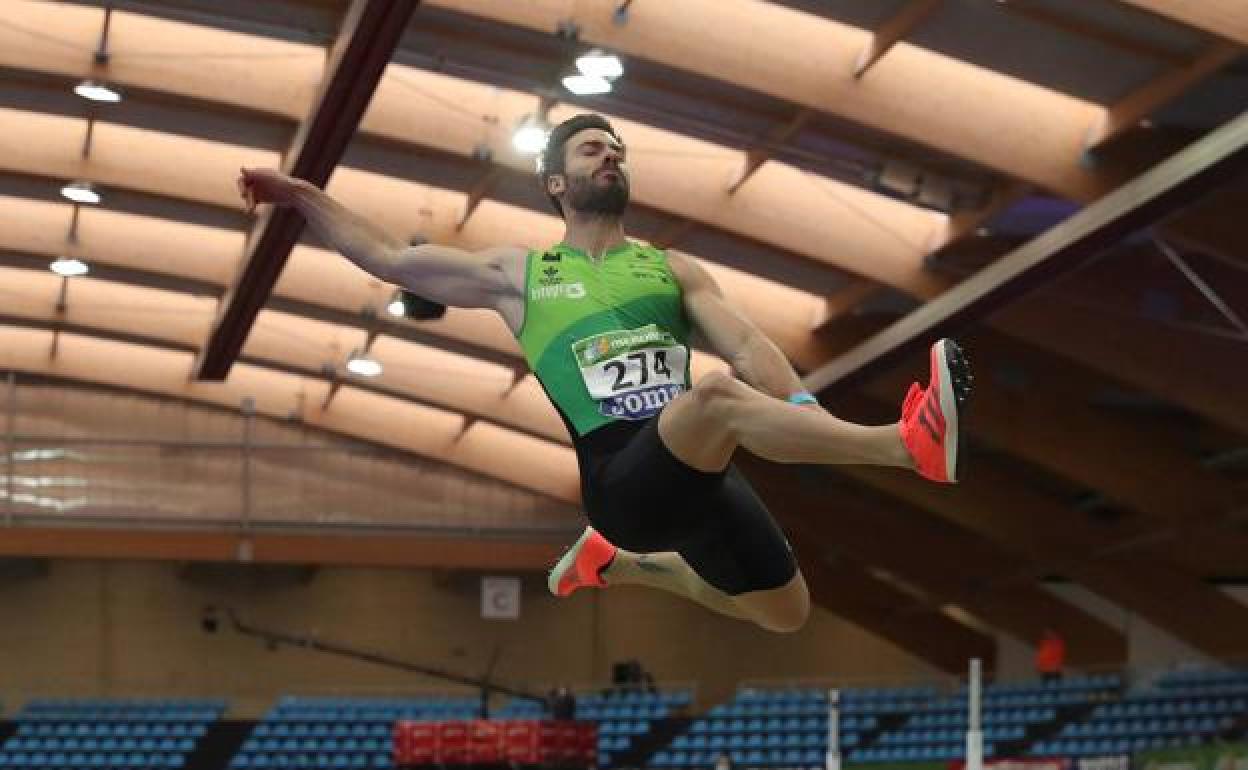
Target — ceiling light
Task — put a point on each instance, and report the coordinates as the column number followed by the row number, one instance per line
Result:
column 600, row 64
column 586, row 85
column 97, row 92
column 530, row 137
column 80, row 192
column 363, row 365
column 69, row 267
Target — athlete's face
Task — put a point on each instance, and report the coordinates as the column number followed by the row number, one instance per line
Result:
column 595, row 173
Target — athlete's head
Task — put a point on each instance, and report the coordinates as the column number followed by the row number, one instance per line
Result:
column 583, row 167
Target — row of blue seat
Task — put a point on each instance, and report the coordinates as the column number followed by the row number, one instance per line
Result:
column 747, row 710
column 312, row 745
column 887, row 693
column 1143, row 727
column 1103, row 746
column 372, row 714
column 103, row 761
column 1159, row 708
column 322, row 730
column 760, row 741
column 177, row 745
column 1011, row 733
column 750, row 758
column 787, row 724
column 112, row 729
column 916, row 753
column 655, row 711
column 1102, row 682
column 636, row 727
column 614, row 742
column 1182, row 678
column 1024, row 701
column 306, row 761
column 990, row 717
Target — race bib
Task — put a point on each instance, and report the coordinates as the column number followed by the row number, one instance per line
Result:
column 632, row 373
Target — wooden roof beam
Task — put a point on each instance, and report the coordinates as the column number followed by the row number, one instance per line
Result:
column 839, row 228
column 1181, row 367
column 1131, row 109
column 776, row 137
column 921, row 95
column 371, row 31
column 543, row 466
column 1105, row 35
column 893, row 30
column 1212, row 161
column 479, row 191
column 1222, row 18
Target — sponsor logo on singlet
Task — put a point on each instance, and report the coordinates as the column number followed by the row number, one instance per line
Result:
column 558, row 291
column 639, row 404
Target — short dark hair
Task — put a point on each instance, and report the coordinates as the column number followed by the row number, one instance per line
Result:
column 553, row 158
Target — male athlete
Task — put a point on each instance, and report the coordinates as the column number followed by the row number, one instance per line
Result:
column 605, row 324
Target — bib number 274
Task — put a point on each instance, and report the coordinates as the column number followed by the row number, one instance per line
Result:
column 640, row 365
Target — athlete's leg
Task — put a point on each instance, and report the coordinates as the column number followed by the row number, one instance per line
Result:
column 780, row 609
column 668, row 571
column 704, row 426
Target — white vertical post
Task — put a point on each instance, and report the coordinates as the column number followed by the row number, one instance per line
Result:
column 833, row 759
column 974, row 733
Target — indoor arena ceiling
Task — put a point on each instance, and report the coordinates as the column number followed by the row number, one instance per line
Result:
column 858, row 176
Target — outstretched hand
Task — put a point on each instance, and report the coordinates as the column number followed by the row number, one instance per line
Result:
column 265, row 185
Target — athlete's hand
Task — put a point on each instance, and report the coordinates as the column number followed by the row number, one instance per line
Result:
column 266, row 185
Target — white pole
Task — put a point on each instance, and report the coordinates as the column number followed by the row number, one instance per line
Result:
column 833, row 759
column 974, row 733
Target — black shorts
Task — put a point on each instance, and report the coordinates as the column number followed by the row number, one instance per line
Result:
column 642, row 498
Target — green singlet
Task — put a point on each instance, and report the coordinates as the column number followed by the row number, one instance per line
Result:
column 608, row 340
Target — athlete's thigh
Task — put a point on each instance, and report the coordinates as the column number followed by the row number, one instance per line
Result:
column 739, row 548
column 640, row 498
column 693, row 426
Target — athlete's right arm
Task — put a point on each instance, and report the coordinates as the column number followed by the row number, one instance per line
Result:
column 443, row 274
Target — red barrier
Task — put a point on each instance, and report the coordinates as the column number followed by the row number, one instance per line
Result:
column 487, row 742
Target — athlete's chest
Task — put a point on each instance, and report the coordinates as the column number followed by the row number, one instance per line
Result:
column 576, row 284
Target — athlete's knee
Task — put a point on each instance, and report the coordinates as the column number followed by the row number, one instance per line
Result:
column 716, row 389
column 786, row 621
column 789, row 610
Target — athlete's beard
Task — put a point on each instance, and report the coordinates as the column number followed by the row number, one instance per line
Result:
column 586, row 196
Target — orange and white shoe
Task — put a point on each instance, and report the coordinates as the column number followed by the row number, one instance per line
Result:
column 582, row 565
column 931, row 417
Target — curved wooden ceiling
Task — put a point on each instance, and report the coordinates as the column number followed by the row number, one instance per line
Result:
column 813, row 255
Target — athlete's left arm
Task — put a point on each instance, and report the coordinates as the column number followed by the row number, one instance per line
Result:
column 753, row 356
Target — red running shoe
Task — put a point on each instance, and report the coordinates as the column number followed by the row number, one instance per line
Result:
column 930, row 418
column 582, row 565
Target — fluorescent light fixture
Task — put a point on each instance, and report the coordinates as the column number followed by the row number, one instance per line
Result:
column 600, row 64
column 530, row 137
column 363, row 365
column 69, row 267
column 586, row 85
column 97, row 92
column 80, row 192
